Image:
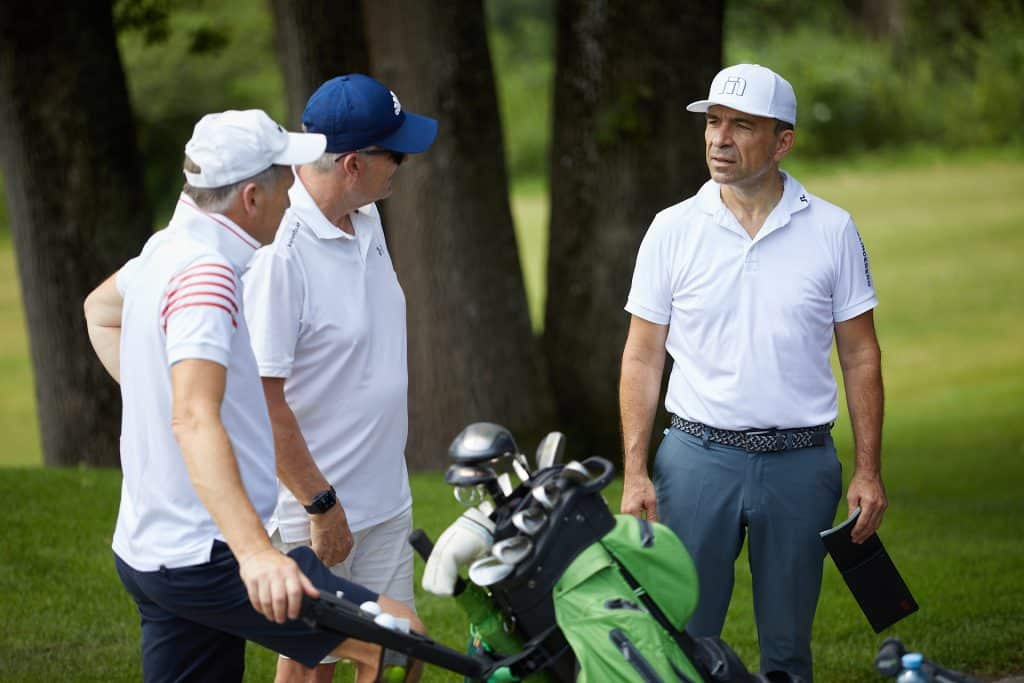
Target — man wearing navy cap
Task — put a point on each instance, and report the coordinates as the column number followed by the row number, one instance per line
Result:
column 327, row 320
column 745, row 285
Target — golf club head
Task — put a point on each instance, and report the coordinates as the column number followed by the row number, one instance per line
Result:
column 591, row 474
column 530, row 520
column 469, row 482
column 575, row 472
column 481, row 442
column 512, row 550
column 547, row 494
column 467, row 475
column 488, row 571
column 550, row 450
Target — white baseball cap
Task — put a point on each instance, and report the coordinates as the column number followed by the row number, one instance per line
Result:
column 753, row 89
column 234, row 145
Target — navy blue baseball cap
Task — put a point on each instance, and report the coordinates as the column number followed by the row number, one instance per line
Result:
column 355, row 111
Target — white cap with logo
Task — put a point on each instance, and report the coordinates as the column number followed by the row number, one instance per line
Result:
column 234, row 145
column 752, row 89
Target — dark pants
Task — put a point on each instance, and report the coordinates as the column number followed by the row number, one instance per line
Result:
column 712, row 496
column 195, row 620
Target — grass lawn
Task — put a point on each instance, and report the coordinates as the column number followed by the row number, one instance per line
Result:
column 946, row 241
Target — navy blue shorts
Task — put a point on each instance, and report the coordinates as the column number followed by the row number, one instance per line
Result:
column 195, row 620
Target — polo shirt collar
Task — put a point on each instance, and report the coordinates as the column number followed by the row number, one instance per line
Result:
column 794, row 199
column 302, row 203
column 216, row 230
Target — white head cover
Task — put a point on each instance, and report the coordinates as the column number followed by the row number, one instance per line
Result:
column 753, row 89
column 234, row 145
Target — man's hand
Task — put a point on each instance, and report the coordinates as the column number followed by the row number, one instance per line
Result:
column 868, row 492
column 638, row 497
column 275, row 584
column 330, row 536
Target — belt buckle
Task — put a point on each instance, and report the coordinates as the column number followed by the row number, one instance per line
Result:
column 773, row 432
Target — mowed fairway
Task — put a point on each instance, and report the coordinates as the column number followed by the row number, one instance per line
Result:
column 946, row 242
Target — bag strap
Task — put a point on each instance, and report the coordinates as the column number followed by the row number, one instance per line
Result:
column 683, row 639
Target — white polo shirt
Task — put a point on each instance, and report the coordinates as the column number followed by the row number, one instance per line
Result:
column 327, row 314
column 751, row 321
column 182, row 300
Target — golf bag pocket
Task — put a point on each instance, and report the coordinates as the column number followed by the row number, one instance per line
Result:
column 612, row 634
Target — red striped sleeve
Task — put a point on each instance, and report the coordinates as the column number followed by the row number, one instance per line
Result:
column 208, row 283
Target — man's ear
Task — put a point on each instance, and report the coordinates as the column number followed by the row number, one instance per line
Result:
column 251, row 197
column 351, row 164
column 784, row 143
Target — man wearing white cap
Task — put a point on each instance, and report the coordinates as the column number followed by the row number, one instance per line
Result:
column 745, row 285
column 327, row 316
column 197, row 452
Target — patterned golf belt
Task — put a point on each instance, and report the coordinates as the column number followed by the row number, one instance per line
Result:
column 757, row 440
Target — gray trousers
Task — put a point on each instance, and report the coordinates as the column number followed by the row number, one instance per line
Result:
column 712, row 496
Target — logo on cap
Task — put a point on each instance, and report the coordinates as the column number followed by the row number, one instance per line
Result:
column 398, row 105
column 734, row 86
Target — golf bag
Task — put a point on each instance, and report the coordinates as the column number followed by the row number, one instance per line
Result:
column 569, row 592
column 602, row 597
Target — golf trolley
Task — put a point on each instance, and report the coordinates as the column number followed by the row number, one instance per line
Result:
column 568, row 591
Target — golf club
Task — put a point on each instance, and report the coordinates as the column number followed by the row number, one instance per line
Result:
column 512, row 550
column 468, row 478
column 547, row 494
column 550, row 450
column 522, row 466
column 530, row 520
column 481, row 442
column 488, row 571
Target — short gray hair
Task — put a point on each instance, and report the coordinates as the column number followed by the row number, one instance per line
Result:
column 327, row 161
column 218, row 199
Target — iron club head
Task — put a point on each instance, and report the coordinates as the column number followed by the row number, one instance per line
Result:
column 530, row 520
column 488, row 571
column 512, row 550
column 550, row 450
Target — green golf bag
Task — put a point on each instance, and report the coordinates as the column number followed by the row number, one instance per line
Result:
column 601, row 604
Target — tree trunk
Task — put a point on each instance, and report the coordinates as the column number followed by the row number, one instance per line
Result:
column 316, row 41
column 472, row 355
column 78, row 209
column 623, row 148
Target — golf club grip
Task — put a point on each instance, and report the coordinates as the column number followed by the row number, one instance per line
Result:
column 423, row 546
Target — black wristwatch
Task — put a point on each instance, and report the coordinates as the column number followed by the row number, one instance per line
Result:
column 322, row 502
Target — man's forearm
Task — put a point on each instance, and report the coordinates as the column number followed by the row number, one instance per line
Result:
column 638, row 400
column 865, row 401
column 295, row 466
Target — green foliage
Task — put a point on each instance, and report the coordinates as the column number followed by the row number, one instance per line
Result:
column 950, row 80
column 186, row 58
column 521, row 37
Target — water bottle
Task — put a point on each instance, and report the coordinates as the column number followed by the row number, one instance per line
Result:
column 912, row 672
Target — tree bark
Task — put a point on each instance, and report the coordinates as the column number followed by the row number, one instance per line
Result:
column 77, row 205
column 623, row 148
column 472, row 355
column 316, row 41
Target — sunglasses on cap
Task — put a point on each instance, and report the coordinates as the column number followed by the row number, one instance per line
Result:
column 397, row 157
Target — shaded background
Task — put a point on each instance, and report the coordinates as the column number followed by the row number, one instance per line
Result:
column 562, row 133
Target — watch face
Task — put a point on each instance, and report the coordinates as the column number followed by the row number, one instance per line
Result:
column 322, row 502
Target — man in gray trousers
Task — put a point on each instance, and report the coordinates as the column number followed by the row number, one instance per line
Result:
column 744, row 285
